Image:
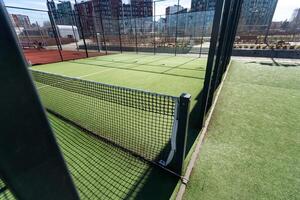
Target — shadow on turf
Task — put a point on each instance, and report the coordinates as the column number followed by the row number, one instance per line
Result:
column 102, row 171
column 131, row 179
column 194, row 123
column 275, row 63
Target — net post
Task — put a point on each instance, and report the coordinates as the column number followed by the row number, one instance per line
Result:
column 181, row 136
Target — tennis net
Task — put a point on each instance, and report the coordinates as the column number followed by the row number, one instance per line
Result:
column 149, row 125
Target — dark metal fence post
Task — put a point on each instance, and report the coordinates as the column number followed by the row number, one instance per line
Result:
column 29, row 152
column 81, row 30
column 224, row 31
column 55, row 33
column 154, row 41
column 204, row 22
column 119, row 31
column 211, row 60
column 176, row 27
column 177, row 163
column 94, row 27
column 41, row 33
column 74, row 33
column 103, row 32
column 136, row 42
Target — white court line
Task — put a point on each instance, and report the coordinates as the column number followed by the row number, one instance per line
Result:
column 75, row 77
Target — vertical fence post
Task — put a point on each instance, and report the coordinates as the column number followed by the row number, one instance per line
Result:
column 222, row 47
column 204, row 22
column 211, row 60
column 29, row 152
column 75, row 36
column 119, row 30
column 94, row 26
column 81, row 30
column 41, row 33
column 176, row 27
column 135, row 30
column 177, row 163
column 55, row 33
column 103, row 32
column 154, row 42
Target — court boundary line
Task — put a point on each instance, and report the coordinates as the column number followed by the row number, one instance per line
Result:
column 87, row 75
column 133, row 69
column 152, row 65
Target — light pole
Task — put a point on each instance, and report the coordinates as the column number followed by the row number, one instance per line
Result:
column 153, row 27
column 203, row 27
column 136, row 47
column 176, row 28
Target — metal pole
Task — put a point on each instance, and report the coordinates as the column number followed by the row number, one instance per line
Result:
column 81, row 30
column 94, row 27
column 54, row 31
column 29, row 152
column 103, row 32
column 177, row 164
column 75, row 38
column 204, row 21
column 119, row 30
column 135, row 33
column 154, row 49
column 176, row 28
column 27, row 35
column 211, row 60
column 40, row 32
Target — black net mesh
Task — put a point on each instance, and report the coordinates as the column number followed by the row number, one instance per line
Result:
column 138, row 121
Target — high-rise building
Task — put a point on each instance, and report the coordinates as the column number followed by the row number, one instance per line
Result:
column 53, row 11
column 65, row 11
column 84, row 13
column 142, row 8
column 173, row 9
column 256, row 15
column 107, row 12
column 203, row 5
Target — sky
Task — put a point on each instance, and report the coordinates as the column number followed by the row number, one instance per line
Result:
column 283, row 11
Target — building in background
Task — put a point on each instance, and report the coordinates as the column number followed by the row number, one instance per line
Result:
column 21, row 20
column 203, row 5
column 53, row 10
column 65, row 11
column 142, row 8
column 295, row 21
column 256, row 16
column 84, row 12
column 172, row 13
column 173, row 9
column 107, row 14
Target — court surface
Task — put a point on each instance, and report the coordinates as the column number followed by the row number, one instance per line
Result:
column 99, row 170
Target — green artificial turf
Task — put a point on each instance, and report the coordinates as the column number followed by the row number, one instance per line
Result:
column 253, row 144
column 101, row 171
column 156, row 73
column 162, row 74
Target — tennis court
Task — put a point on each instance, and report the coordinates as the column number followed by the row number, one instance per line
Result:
column 163, row 74
column 45, row 56
column 125, row 99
